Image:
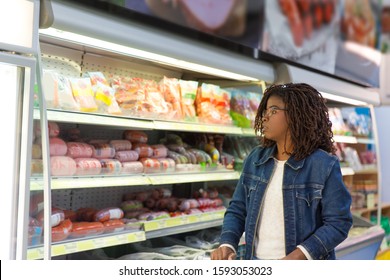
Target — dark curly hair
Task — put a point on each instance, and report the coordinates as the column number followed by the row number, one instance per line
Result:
column 307, row 117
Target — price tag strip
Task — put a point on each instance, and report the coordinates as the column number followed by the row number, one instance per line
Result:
column 88, row 244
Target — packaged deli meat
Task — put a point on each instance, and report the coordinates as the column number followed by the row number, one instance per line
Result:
column 62, row 166
column 57, row 147
column 167, row 164
column 143, row 150
column 36, row 166
column 132, row 167
column 86, row 214
column 54, row 129
column 62, row 231
column 126, row 156
column 121, row 145
column 159, row 151
column 135, row 136
column 114, row 225
column 79, row 150
column 88, row 166
column 109, row 213
column 101, row 151
column 83, row 94
column 82, row 229
column 151, row 165
column 57, row 216
column 110, row 166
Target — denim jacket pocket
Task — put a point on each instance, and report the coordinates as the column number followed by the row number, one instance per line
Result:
column 309, row 193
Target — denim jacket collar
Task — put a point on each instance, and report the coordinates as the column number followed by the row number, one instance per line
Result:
column 269, row 153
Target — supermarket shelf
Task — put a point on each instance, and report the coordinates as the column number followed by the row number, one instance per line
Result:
column 197, row 127
column 116, row 181
column 90, row 182
column 347, row 171
column 175, row 178
column 97, row 119
column 352, row 140
column 370, row 170
column 182, row 224
column 87, row 244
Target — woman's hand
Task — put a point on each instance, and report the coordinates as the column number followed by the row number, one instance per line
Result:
column 223, row 253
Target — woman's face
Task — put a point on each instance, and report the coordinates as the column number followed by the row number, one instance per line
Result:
column 274, row 119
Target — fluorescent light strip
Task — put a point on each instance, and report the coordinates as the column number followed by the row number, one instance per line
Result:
column 120, row 49
column 343, row 99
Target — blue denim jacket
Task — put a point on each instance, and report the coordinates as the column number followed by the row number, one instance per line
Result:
column 316, row 203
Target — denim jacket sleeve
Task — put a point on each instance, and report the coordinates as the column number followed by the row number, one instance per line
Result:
column 336, row 216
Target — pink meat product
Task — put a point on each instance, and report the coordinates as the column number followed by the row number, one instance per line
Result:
column 101, row 151
column 58, row 147
column 126, row 156
column 54, row 129
column 79, row 150
column 121, row 145
column 151, row 165
column 159, row 151
column 110, row 166
column 62, row 166
column 109, row 213
column 132, row 167
column 57, row 216
column 167, row 164
column 143, row 150
column 135, row 136
column 88, row 166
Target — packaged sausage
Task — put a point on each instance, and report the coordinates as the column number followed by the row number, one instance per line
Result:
column 57, row 216
column 36, row 166
column 151, row 165
column 110, row 213
column 159, row 151
column 135, row 213
column 79, row 150
column 154, row 216
column 167, row 164
column 36, row 202
column 101, row 151
column 135, row 136
column 143, row 150
column 36, row 151
column 121, row 145
column 132, row 167
column 62, row 166
column 71, row 215
column 86, row 214
column 125, row 156
column 62, row 231
column 188, row 95
column 82, row 229
column 131, row 205
column 54, row 129
column 57, row 147
column 110, row 166
column 113, row 225
column 87, row 166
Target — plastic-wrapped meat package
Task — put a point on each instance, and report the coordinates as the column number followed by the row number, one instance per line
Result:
column 36, row 166
column 104, row 94
column 83, row 229
column 188, row 95
column 101, row 151
column 62, row 166
column 36, row 151
column 151, row 165
column 54, row 129
column 58, row 92
column 170, row 88
column 133, row 167
column 126, row 156
column 57, row 216
column 62, row 231
column 130, row 95
column 121, row 145
column 167, row 164
column 114, row 225
column 107, row 214
column 158, row 107
column 57, row 147
column 143, row 150
column 79, row 150
column 110, row 166
column 87, row 166
column 135, row 136
column 83, row 94
column 159, row 151
column 240, row 109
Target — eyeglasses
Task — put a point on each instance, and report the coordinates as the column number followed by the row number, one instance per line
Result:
column 271, row 111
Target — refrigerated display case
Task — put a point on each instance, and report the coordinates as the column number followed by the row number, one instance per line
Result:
column 73, row 46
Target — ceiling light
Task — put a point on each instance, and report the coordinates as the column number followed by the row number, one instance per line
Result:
column 343, row 99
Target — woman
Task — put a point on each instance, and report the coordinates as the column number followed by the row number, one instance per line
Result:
column 290, row 200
